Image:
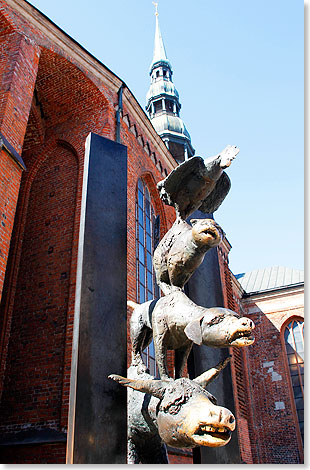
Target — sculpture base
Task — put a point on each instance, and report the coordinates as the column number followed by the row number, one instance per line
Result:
column 97, row 431
column 205, row 289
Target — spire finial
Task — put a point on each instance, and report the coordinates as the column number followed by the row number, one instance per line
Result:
column 159, row 48
column 156, row 8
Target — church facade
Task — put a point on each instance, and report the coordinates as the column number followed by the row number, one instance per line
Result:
column 53, row 94
column 268, row 376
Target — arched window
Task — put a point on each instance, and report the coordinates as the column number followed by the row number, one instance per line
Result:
column 147, row 288
column 294, row 343
column 42, row 297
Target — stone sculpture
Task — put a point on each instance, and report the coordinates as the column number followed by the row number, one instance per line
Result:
column 182, row 250
column 175, row 322
column 180, row 413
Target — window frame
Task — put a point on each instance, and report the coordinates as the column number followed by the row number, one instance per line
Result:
column 158, row 106
column 145, row 213
column 289, row 380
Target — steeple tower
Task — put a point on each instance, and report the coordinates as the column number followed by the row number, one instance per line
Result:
column 163, row 105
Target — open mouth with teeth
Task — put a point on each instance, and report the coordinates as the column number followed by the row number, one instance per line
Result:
column 212, row 231
column 241, row 338
column 213, row 436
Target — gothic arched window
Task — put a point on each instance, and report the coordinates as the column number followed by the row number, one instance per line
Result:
column 294, row 343
column 147, row 288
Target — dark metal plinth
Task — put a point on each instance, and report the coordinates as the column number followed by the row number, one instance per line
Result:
column 97, row 431
column 205, row 289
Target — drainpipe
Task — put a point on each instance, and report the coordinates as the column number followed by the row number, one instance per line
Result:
column 118, row 113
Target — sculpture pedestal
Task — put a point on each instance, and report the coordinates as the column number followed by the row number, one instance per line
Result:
column 97, row 431
column 205, row 289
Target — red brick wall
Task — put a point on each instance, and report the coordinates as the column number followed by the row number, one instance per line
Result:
column 270, row 384
column 10, row 176
column 53, row 121
column 260, row 375
column 50, row 94
column 141, row 164
column 18, row 67
column 178, row 458
column 62, row 104
column 35, row 454
column 34, row 368
column 238, row 367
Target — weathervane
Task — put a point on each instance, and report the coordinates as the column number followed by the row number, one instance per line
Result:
column 156, row 5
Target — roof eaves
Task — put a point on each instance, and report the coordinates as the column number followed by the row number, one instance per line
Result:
column 273, row 289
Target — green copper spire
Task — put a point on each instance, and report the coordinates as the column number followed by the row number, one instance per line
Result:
column 159, row 54
column 163, row 104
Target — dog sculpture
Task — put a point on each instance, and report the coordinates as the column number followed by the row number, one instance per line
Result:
column 175, row 322
column 180, row 413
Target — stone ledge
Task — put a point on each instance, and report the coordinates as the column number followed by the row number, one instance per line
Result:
column 33, row 436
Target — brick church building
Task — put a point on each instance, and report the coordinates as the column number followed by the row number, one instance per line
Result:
column 53, row 95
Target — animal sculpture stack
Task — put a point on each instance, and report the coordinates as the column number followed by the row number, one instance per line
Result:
column 178, row 411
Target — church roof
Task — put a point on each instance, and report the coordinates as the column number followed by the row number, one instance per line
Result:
column 161, row 88
column 165, row 123
column 270, row 278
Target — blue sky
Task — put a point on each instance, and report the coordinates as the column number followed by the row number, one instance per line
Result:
column 238, row 67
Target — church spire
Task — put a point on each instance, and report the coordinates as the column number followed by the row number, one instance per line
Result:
column 163, row 104
column 159, row 54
